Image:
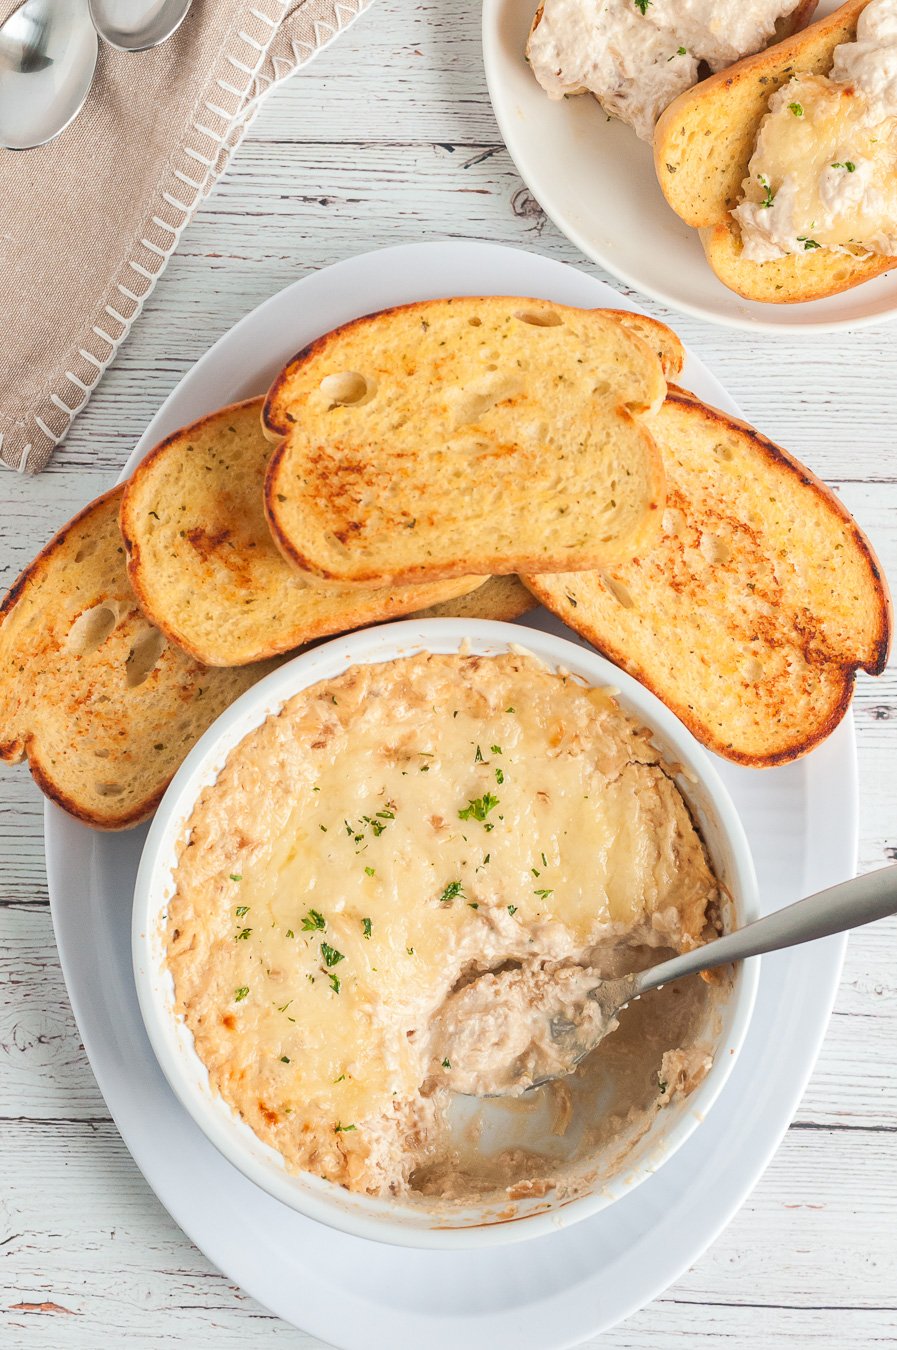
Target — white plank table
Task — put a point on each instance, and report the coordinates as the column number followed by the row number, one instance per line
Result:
column 389, row 137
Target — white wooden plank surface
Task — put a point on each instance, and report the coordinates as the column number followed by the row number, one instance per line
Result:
column 389, row 138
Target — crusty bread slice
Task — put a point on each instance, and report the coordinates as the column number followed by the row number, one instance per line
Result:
column 702, row 147
column 477, row 434
column 763, row 598
column 102, row 705
column 503, row 598
column 660, row 338
column 204, row 566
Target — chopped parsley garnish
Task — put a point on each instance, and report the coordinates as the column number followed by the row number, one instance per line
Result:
column 240, row 994
column 479, row 807
column 343, row 1129
column 512, row 910
column 242, row 935
column 848, row 165
column 410, row 951
column 313, row 922
column 535, row 871
column 770, row 195
column 544, row 861
column 642, row 6
column 473, row 904
column 425, row 768
column 323, row 828
column 369, row 871
column 451, row 892
column 284, row 1059
column 236, row 876
column 543, row 894
column 387, row 815
column 340, row 1079
column 290, row 933
column 478, row 757
column 331, row 956
column 510, row 709
column 283, row 1006
column 807, row 243
column 334, row 981
column 446, row 1064
column 241, row 910
column 495, row 749
column 486, row 859
column 499, row 777
column 797, row 109
column 366, row 927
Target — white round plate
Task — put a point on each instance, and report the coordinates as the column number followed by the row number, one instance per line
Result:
column 596, row 181
column 557, row 1290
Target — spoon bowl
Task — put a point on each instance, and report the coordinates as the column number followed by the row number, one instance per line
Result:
column 137, row 25
column 48, row 54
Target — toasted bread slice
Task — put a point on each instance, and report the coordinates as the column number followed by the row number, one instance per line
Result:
column 503, row 598
column 477, row 434
column 204, row 566
column 104, row 707
column 763, row 598
column 661, row 339
column 702, row 147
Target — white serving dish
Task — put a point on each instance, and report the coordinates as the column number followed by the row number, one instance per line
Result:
column 596, row 180
column 392, row 1220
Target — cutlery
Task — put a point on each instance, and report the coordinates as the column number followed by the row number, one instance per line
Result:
column 48, row 54
column 137, row 25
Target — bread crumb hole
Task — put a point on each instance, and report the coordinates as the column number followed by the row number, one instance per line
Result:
column 616, row 588
column 87, row 549
column 602, row 387
column 752, row 670
column 475, row 322
column 91, row 629
column 724, row 451
column 347, row 389
column 539, row 318
column 714, row 550
column 109, row 789
column 143, row 656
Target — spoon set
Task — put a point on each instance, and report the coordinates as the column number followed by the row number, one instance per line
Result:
column 48, row 56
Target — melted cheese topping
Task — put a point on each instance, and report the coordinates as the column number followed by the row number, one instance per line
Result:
column 824, row 171
column 637, row 57
column 386, row 832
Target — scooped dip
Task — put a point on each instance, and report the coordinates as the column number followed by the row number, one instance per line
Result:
column 388, row 838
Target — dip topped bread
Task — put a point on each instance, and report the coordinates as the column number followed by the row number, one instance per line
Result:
column 391, row 832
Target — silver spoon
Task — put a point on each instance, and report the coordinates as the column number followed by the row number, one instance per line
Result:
column 137, row 25
column 570, row 1039
column 48, row 54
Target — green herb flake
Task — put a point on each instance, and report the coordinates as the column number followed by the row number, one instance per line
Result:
column 512, row 910
column 341, row 1079
column 410, row 951
column 473, row 904
column 543, row 895
column 369, row 871
column 242, row 935
column 807, row 243
column 343, row 1129
column 283, row 1006
column 544, row 860
column 451, row 892
column 796, row 108
column 366, row 927
column 642, row 5
column 769, row 198
column 478, row 757
column 499, row 777
column 236, row 876
column 290, row 933
column 848, row 164
column 495, row 749
column 331, row 956
column 510, row 710
column 241, row 910
column 334, row 982
column 478, row 808
column 284, row 1059
column 313, row 922
column 446, row 1063
column 240, row 994
column 486, row 859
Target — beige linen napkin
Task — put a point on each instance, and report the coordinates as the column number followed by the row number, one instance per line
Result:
column 88, row 222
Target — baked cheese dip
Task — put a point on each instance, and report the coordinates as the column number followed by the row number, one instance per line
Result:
column 388, row 836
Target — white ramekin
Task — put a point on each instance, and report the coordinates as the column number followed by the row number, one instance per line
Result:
column 390, row 1220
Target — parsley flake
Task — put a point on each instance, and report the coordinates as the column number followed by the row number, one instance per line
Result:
column 770, row 195
column 241, row 910
column 334, row 981
column 499, row 777
column 236, row 876
column 343, row 1129
column 284, row 1059
column 452, row 890
column 848, row 164
column 331, row 956
column 512, row 910
column 478, row 757
column 495, row 749
column 478, row 808
column 240, row 994
column 313, row 921
column 369, row 871
column 242, row 935
column 642, row 5
column 796, row 108
column 446, row 1064
column 366, row 927
column 807, row 243
column 543, row 894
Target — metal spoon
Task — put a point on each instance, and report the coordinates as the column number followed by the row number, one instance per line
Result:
column 137, row 25
column 48, row 54
column 850, row 905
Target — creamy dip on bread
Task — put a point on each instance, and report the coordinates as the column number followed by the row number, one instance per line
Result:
column 389, row 835
column 636, row 56
column 824, row 170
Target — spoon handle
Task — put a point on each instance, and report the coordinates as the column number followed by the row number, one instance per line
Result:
column 853, row 903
